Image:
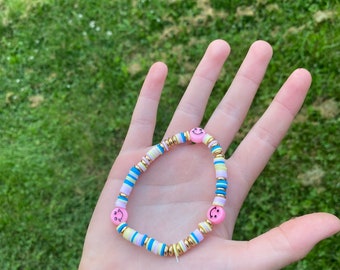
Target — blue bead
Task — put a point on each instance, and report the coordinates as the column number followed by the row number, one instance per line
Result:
column 183, row 137
column 121, row 227
column 222, row 192
column 135, row 170
column 143, row 240
column 133, row 237
column 122, row 198
column 214, row 148
column 129, row 183
column 160, row 148
column 162, row 249
column 149, row 246
column 194, row 236
column 132, row 176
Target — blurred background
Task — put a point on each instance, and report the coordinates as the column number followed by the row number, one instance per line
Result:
column 70, row 73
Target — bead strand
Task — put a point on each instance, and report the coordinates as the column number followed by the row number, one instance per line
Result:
column 215, row 214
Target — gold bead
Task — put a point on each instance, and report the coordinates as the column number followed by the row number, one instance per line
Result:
column 187, row 135
column 138, row 168
column 220, row 155
column 175, row 250
column 221, row 195
column 146, row 241
column 179, row 249
column 171, row 251
column 209, row 222
column 123, row 195
column 186, row 242
column 166, row 250
column 144, row 163
column 191, row 241
column 174, row 139
column 123, row 230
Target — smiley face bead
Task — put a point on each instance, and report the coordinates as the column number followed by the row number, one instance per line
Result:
column 119, row 215
column 216, row 214
column 197, row 135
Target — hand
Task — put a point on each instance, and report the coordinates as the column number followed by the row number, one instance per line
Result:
column 173, row 195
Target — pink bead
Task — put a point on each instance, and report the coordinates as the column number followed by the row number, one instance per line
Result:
column 119, row 215
column 216, row 214
column 197, row 134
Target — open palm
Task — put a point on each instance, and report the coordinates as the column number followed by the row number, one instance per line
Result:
column 174, row 194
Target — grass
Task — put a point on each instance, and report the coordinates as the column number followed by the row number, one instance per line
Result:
column 70, row 72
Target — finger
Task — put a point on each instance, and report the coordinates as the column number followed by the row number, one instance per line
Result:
column 253, row 153
column 289, row 242
column 191, row 108
column 143, row 119
column 230, row 113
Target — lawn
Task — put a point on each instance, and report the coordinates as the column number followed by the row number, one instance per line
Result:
column 70, row 72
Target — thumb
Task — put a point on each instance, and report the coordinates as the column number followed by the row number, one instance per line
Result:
column 291, row 241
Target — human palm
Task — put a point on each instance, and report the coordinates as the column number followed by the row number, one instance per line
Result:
column 173, row 195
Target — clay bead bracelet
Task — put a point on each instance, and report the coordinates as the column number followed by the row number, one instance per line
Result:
column 215, row 214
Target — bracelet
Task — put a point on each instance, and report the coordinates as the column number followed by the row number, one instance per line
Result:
column 215, row 214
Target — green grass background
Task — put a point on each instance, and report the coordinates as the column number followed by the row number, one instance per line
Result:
column 70, row 72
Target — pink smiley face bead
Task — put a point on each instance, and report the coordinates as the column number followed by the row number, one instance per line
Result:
column 119, row 215
column 216, row 214
column 197, row 134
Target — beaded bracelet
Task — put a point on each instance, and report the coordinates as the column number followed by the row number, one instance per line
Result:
column 215, row 214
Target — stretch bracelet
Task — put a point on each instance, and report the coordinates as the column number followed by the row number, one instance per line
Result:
column 215, row 214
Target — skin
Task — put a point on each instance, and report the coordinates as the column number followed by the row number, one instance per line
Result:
column 172, row 197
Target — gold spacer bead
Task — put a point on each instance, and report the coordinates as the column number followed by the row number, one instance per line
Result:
column 148, row 159
column 123, row 195
column 187, row 135
column 221, row 195
column 144, row 163
column 138, row 168
column 179, row 249
column 123, row 230
column 170, row 142
column 191, row 241
column 146, row 241
column 166, row 250
column 174, row 139
column 171, row 251
column 219, row 155
column 221, row 178
column 186, row 242
column 209, row 222
column 201, row 229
